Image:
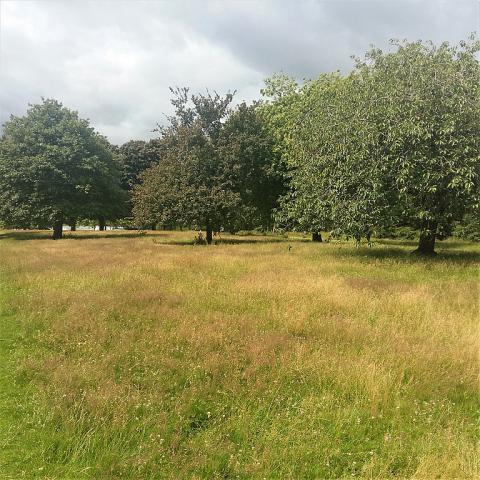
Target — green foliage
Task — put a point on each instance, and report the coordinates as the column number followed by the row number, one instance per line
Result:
column 136, row 157
column 281, row 95
column 281, row 111
column 427, row 105
column 404, row 233
column 469, row 228
column 247, row 145
column 54, row 167
column 192, row 185
column 334, row 182
column 396, row 139
column 218, row 168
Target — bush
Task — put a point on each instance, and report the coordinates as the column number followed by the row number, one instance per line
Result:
column 469, row 228
column 401, row 233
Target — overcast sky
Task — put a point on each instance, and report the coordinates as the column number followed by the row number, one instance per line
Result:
column 113, row 60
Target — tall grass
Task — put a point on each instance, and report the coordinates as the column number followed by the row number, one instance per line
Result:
column 146, row 357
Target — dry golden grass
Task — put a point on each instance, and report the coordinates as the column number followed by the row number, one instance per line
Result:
column 146, row 357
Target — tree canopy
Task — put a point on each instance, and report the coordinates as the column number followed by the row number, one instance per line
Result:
column 136, row 156
column 55, row 167
column 217, row 169
column 259, row 170
column 430, row 115
column 396, row 140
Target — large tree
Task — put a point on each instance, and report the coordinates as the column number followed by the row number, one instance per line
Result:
column 55, row 168
column 429, row 115
column 218, row 168
column 281, row 109
column 247, row 144
column 136, row 156
column 193, row 184
column 395, row 140
column 338, row 180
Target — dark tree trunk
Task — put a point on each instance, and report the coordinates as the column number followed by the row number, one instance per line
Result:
column 73, row 225
column 209, row 234
column 317, row 237
column 154, row 226
column 426, row 243
column 101, row 224
column 58, row 230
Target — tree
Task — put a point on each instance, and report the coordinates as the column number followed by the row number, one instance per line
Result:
column 193, row 184
column 339, row 179
column 469, row 228
column 280, row 109
column 218, row 168
column 55, row 168
column 396, row 139
column 249, row 147
column 136, row 157
column 430, row 112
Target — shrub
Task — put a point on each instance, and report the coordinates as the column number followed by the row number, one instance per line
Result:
column 469, row 228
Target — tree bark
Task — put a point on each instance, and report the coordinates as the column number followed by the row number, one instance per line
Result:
column 101, row 224
column 58, row 230
column 73, row 225
column 209, row 236
column 426, row 243
column 154, row 226
column 317, row 237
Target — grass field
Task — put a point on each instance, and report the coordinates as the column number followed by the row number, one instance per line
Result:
column 145, row 357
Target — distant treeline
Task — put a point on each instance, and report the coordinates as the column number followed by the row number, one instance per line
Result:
column 395, row 142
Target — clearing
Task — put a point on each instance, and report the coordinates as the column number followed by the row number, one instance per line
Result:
column 126, row 356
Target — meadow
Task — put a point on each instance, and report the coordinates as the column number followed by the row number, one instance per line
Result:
column 147, row 357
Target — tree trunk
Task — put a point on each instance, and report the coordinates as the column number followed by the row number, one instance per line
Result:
column 154, row 226
column 426, row 243
column 317, row 237
column 101, row 224
column 209, row 234
column 73, row 225
column 58, row 230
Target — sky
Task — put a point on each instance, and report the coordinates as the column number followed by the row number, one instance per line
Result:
column 114, row 60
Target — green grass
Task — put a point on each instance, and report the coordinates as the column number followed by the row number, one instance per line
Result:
column 126, row 356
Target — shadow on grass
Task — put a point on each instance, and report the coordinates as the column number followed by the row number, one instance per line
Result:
column 154, row 235
column 44, row 235
column 457, row 251
column 439, row 244
column 231, row 241
column 446, row 252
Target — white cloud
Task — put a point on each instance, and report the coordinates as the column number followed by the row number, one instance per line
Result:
column 113, row 61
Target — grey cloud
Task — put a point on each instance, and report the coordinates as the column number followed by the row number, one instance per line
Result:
column 113, row 61
column 307, row 37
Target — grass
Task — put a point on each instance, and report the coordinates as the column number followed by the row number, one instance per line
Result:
column 126, row 356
